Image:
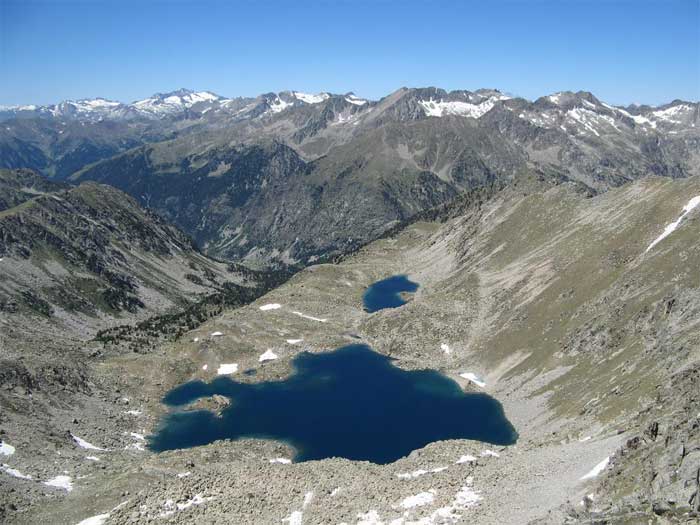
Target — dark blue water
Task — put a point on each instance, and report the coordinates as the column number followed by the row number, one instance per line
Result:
column 386, row 293
column 351, row 403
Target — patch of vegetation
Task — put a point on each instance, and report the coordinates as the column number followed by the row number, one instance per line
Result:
column 36, row 303
column 145, row 335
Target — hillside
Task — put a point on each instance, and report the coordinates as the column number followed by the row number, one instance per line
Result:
column 543, row 296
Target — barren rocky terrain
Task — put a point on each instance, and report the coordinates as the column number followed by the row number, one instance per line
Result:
column 559, row 303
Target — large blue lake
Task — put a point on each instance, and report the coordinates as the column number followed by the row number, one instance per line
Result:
column 351, row 403
column 387, row 293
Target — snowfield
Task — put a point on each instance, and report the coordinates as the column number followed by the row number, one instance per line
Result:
column 227, row 369
column 271, row 306
column 14, row 472
column 600, row 467
column 690, row 206
column 84, row 444
column 424, row 498
column 61, row 482
column 471, row 376
column 310, row 317
column 269, row 355
column 95, row 520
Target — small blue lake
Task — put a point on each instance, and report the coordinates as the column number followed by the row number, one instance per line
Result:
column 387, row 293
column 351, row 403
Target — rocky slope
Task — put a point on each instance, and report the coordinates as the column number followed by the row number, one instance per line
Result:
column 573, row 310
column 91, row 252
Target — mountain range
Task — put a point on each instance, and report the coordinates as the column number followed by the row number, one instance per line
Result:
column 284, row 178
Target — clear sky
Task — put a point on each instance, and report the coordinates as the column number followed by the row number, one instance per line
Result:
column 644, row 51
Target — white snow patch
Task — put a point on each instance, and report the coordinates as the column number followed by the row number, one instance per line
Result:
column 335, row 491
column 307, row 499
column 491, row 453
column 95, row 520
column 692, row 203
column 355, row 100
column 133, row 412
column 555, row 98
column 435, row 108
column 227, row 368
column 172, row 507
column 14, row 472
column 674, row 111
column 92, row 458
column 140, row 437
column 294, row 341
column 84, row 444
column 420, row 499
column 295, row 518
column 60, row 482
column 445, row 348
column 6, row 449
column 310, row 317
column 419, row 472
column 205, row 366
column 278, row 105
column 271, row 306
column 283, row 461
column 468, row 458
column 311, row 99
column 584, row 439
column 466, row 497
column 600, row 467
column 269, row 355
column 371, row 517
column 585, row 117
column 471, row 376
column 216, row 334
column 184, row 474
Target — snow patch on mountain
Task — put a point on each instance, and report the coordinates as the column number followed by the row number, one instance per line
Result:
column 690, row 206
column 309, row 317
column 60, row 482
column 99, row 519
column 84, row 444
column 278, row 105
column 14, row 472
column 595, row 471
column 271, row 306
column 311, row 99
column 673, row 113
column 441, row 108
column 419, row 500
column 352, row 99
column 227, row 368
column 268, row 355
column 471, row 376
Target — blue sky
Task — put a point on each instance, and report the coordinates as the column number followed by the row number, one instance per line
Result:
column 645, row 51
